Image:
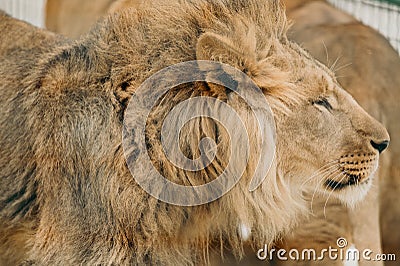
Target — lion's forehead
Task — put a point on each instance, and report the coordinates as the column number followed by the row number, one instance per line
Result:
column 310, row 75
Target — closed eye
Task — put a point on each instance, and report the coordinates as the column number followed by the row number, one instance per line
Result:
column 323, row 102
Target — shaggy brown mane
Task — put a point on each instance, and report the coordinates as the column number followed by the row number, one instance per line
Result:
column 87, row 85
column 252, row 26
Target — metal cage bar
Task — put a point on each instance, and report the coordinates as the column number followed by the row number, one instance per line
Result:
column 31, row 11
column 382, row 15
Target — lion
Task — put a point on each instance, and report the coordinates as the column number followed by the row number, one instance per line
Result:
column 355, row 52
column 67, row 195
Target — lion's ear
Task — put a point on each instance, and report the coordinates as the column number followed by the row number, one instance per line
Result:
column 214, row 47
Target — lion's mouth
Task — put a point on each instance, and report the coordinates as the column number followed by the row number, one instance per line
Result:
column 352, row 180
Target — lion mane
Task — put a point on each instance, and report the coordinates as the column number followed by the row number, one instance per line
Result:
column 66, row 193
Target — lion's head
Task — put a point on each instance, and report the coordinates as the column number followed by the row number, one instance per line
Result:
column 326, row 141
column 334, row 141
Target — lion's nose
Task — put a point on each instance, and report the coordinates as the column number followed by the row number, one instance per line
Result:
column 380, row 146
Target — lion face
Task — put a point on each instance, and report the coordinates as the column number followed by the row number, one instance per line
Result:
column 328, row 143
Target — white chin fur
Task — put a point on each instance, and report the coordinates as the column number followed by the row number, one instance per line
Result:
column 352, row 195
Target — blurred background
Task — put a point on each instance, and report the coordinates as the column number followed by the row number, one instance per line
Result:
column 383, row 15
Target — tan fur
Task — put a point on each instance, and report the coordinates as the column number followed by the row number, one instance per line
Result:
column 63, row 121
column 123, row 4
column 331, row 35
column 72, row 18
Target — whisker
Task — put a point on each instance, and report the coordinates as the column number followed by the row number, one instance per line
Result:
column 326, row 52
column 343, row 66
column 332, row 67
column 320, row 171
column 340, row 181
column 314, row 193
column 341, row 76
column 323, row 179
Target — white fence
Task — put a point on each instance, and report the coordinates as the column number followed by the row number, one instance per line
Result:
column 380, row 15
column 28, row 10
